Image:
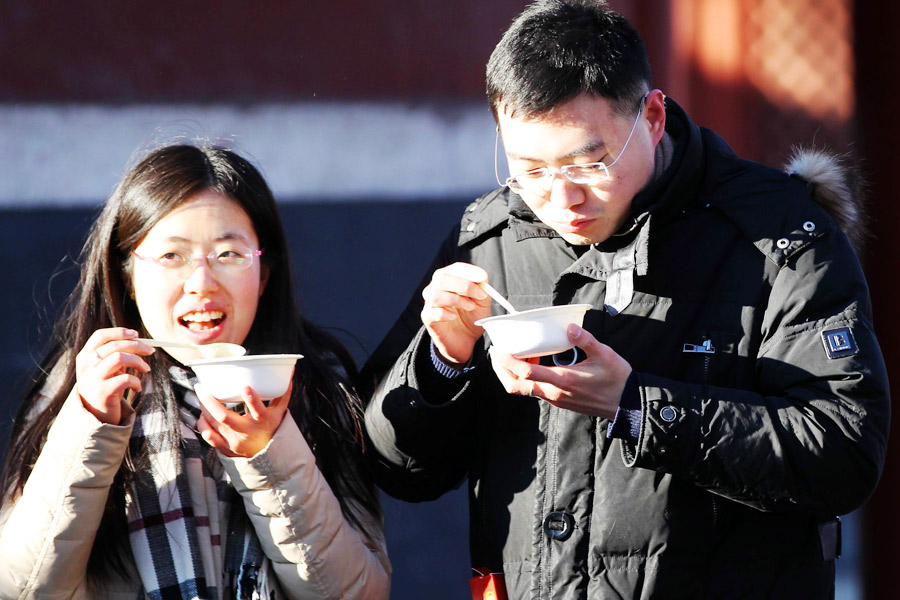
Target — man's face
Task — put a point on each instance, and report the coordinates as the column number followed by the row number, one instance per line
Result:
column 584, row 130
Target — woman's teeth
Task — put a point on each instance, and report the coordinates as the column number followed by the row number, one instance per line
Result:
column 202, row 320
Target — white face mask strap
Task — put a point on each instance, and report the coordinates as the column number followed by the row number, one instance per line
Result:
column 633, row 127
column 496, row 148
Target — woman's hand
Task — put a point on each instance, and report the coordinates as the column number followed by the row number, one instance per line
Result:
column 244, row 435
column 101, row 371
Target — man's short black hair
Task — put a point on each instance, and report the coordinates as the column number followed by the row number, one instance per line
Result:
column 558, row 49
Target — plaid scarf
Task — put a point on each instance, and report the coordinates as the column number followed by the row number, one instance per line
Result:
column 190, row 535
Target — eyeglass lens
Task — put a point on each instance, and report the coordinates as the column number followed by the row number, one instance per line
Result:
column 184, row 263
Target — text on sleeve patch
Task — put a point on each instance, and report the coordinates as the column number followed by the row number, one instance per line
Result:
column 839, row 342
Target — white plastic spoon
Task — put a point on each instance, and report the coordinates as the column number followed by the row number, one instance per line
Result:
column 498, row 297
column 214, row 350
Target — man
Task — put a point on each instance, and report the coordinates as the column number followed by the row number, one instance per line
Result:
column 730, row 398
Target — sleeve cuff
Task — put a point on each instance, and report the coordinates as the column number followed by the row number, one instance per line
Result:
column 446, row 370
column 627, row 423
column 437, row 381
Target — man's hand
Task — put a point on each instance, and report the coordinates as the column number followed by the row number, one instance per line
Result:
column 592, row 387
column 453, row 302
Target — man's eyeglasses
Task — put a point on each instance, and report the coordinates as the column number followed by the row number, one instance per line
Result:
column 182, row 263
column 538, row 182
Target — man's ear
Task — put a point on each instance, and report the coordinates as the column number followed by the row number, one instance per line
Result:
column 655, row 114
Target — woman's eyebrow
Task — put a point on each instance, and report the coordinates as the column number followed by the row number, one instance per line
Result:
column 232, row 235
column 228, row 235
column 177, row 239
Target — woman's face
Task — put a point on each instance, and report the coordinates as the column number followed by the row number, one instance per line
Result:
column 203, row 300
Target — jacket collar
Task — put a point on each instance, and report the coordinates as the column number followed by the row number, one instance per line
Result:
column 677, row 187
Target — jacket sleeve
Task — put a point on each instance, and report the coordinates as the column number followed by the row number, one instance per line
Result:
column 314, row 551
column 46, row 535
column 422, row 445
column 812, row 435
column 418, row 427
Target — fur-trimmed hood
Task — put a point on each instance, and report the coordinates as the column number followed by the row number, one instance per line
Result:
column 834, row 186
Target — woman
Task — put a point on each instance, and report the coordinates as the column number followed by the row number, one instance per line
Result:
column 122, row 479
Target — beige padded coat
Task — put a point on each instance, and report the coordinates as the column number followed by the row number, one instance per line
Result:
column 46, row 535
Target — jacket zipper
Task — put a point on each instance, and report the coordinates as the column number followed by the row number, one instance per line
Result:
column 707, row 349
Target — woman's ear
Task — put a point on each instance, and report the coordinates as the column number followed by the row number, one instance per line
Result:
column 127, row 278
column 263, row 278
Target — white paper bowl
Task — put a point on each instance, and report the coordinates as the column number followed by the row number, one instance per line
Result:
column 268, row 374
column 536, row 332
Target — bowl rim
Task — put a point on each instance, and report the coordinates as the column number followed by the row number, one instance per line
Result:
column 245, row 358
column 533, row 312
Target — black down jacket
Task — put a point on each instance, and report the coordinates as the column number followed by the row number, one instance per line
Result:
column 764, row 397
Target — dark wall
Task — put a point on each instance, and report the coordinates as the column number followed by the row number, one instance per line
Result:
column 878, row 53
column 233, row 50
column 357, row 265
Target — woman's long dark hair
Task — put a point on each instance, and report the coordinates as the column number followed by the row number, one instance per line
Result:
column 327, row 411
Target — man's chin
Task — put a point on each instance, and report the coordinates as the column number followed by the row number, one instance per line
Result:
column 581, row 239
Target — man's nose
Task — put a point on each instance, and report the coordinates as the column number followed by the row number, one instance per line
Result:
column 564, row 193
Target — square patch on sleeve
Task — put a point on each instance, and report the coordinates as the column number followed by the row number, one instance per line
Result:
column 839, row 342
